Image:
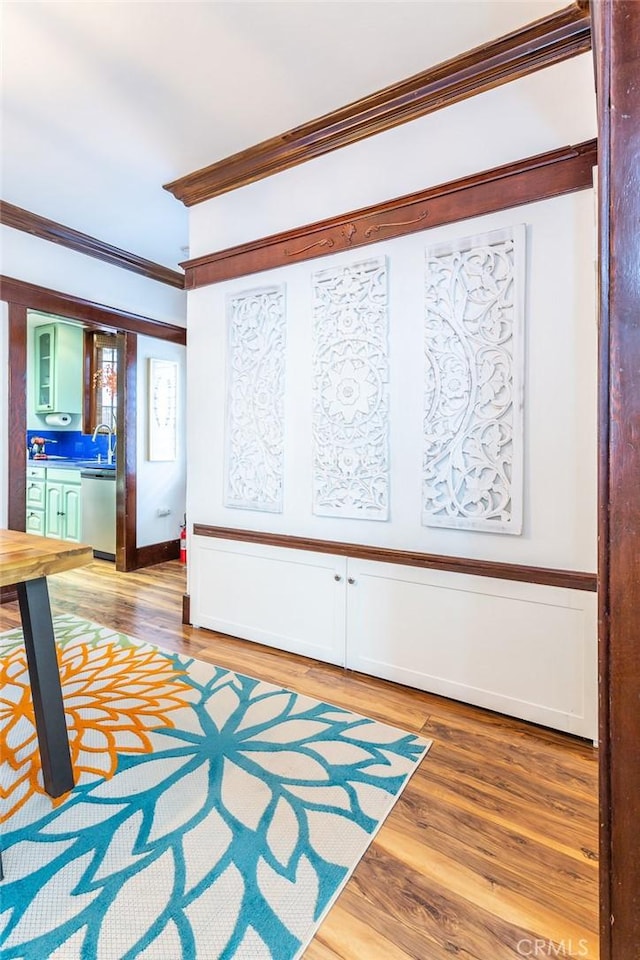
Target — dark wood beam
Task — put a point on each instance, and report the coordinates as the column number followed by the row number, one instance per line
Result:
column 127, row 478
column 547, row 41
column 534, row 178
column 38, row 226
column 16, row 429
column 75, row 308
column 17, row 416
column 617, row 33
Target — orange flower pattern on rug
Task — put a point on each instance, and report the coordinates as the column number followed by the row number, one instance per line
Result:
column 113, row 695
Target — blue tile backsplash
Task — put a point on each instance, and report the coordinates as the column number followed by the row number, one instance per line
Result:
column 70, row 443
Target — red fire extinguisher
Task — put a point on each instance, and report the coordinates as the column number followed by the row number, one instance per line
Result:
column 183, row 541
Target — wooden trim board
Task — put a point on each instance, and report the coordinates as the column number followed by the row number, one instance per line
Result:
column 571, row 579
column 540, row 177
column 75, row 308
column 552, row 39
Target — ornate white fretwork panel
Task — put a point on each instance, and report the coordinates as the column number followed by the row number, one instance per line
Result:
column 472, row 465
column 350, row 392
column 254, row 462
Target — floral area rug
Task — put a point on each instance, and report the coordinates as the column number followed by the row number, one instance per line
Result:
column 214, row 815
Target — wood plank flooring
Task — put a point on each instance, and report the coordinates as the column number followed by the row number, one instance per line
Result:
column 491, row 851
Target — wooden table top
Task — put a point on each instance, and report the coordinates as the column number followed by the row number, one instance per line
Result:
column 24, row 556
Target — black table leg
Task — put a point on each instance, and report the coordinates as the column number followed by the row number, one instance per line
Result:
column 44, row 676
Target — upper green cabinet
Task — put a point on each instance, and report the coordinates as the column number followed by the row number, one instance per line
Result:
column 58, row 368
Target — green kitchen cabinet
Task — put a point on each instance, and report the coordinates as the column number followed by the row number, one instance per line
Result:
column 36, row 478
column 63, row 510
column 58, row 368
column 34, row 522
column 36, row 500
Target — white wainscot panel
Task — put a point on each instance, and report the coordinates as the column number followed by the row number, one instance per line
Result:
column 283, row 598
column 521, row 649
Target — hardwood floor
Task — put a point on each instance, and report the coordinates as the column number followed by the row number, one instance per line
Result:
column 490, row 852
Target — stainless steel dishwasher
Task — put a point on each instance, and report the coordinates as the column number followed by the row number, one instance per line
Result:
column 98, row 489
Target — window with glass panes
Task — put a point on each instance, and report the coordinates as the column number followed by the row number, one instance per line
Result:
column 102, row 368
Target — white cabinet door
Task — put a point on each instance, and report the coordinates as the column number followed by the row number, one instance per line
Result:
column 62, row 514
column 36, row 494
column 54, row 513
column 290, row 599
column 72, row 512
column 522, row 649
column 34, row 522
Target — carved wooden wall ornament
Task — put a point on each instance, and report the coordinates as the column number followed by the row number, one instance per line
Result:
column 473, row 400
column 254, row 462
column 350, row 391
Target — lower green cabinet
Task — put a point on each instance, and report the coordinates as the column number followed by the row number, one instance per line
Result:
column 36, row 493
column 35, row 521
column 54, row 506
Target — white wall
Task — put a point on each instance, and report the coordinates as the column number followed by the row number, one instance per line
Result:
column 25, row 257
column 547, row 110
column 483, row 654
column 560, row 396
column 160, row 484
column 550, row 109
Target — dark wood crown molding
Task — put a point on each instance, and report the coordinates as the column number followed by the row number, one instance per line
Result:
column 549, row 576
column 33, row 223
column 33, row 297
column 535, row 178
column 550, row 40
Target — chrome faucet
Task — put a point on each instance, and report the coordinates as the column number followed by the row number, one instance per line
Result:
column 110, row 432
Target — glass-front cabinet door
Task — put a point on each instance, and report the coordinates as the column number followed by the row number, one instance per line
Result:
column 44, row 367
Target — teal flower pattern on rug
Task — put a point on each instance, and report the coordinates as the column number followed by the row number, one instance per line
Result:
column 229, row 838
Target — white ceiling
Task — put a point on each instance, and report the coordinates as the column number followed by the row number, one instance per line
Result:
column 103, row 102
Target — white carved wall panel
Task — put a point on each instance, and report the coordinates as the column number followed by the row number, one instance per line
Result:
column 254, row 462
column 473, row 400
column 351, row 392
